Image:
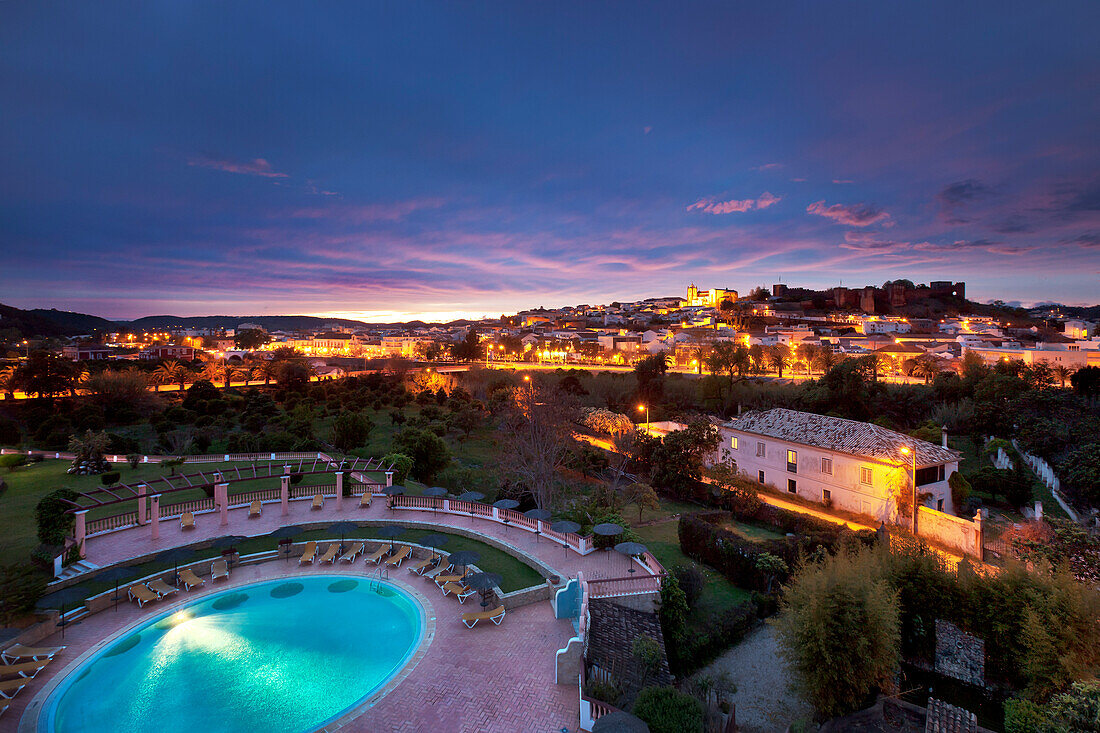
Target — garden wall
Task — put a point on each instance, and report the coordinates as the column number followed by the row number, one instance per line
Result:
column 957, row 533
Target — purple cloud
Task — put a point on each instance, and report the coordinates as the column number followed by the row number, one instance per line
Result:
column 711, row 206
column 254, row 167
column 857, row 215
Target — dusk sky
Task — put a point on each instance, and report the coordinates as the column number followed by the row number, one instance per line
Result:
column 386, row 160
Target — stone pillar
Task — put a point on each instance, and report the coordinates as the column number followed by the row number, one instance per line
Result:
column 979, row 535
column 496, row 514
column 80, row 531
column 1038, row 510
column 142, row 504
column 389, row 478
column 155, row 518
column 284, row 494
column 221, row 501
column 339, row 490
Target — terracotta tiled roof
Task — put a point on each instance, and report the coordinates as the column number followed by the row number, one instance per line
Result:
column 844, row 436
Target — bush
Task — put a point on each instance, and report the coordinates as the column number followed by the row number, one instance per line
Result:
column 134, row 459
column 12, row 461
column 21, row 585
column 665, row 710
column 691, row 581
column 110, row 478
column 427, row 450
column 960, row 489
column 402, row 465
column 54, row 525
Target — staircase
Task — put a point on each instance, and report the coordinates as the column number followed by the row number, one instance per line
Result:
column 77, row 568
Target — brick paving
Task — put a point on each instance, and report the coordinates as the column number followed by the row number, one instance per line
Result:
column 488, row 678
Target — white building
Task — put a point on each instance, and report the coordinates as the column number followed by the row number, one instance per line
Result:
column 851, row 465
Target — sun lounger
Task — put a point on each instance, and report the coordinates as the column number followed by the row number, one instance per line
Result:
column 219, row 569
column 330, row 554
column 318, row 501
column 255, row 509
column 443, row 568
column 442, row 580
column 352, row 553
column 496, row 616
column 26, row 670
column 187, row 520
column 17, row 652
column 162, row 589
column 190, row 580
column 365, row 499
column 399, row 556
column 11, row 688
column 141, row 594
column 3, row 708
column 423, row 565
column 378, row 554
column 461, row 591
column 308, row 554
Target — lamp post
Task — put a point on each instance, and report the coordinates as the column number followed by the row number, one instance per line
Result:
column 912, row 453
column 646, row 408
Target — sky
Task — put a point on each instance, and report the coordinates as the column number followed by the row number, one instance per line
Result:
column 408, row 159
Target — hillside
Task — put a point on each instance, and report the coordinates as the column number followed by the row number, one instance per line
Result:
column 75, row 323
column 29, row 323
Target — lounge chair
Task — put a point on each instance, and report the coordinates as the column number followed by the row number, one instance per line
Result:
column 442, row 580
column 443, row 568
column 365, row 499
column 3, row 708
column 11, row 688
column 426, row 564
column 255, row 509
column 219, row 569
column 190, row 580
column 399, row 556
column 141, row 594
column 496, row 616
column 309, row 553
column 17, row 652
column 26, row 670
column 162, row 589
column 331, row 553
column 187, row 520
column 461, row 591
column 378, row 554
column 352, row 553
column 318, row 501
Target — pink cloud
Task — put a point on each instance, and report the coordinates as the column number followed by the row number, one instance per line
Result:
column 711, row 206
column 254, row 167
column 857, row 215
column 767, row 167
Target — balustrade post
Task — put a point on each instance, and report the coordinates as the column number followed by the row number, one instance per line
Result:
column 284, row 494
column 221, row 500
column 447, row 505
column 339, row 490
column 142, row 504
column 80, row 531
column 496, row 514
column 155, row 518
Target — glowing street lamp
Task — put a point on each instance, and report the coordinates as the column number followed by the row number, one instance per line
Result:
column 646, row 408
column 912, row 452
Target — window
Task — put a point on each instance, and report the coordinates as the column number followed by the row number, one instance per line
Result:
column 929, row 475
column 760, row 476
column 939, row 505
column 792, row 486
column 827, row 466
column 733, row 442
column 792, row 461
column 826, row 495
column 759, row 450
column 865, row 475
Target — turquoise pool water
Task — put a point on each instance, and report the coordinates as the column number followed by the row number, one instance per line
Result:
column 278, row 656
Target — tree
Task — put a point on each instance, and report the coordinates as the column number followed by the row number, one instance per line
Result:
column 113, row 389
column 466, row 419
column 250, row 338
column 648, row 653
column 642, row 496
column 1062, row 372
column 52, row 517
column 1086, row 382
column 539, row 440
column 676, row 462
column 426, row 449
column 401, row 466
column 1081, row 472
column 840, row 632
column 8, row 381
column 469, row 348
column 777, row 357
column 350, row 430
column 294, row 374
column 46, row 375
column 21, row 585
column 666, row 710
column 650, row 375
column 771, row 567
column 824, row 359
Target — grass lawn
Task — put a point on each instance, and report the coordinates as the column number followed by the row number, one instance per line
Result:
column 515, row 574
column 718, row 593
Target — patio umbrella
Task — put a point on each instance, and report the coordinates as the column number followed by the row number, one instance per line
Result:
column 115, row 574
column 631, row 549
column 227, row 542
column 506, row 504
column 394, row 490
column 484, row 583
column 390, row 531
column 619, row 722
column 471, row 496
column 435, row 540
column 175, row 555
column 70, row 596
column 435, row 491
column 283, row 534
column 343, row 528
column 565, row 527
column 607, row 529
column 465, row 557
column 539, row 515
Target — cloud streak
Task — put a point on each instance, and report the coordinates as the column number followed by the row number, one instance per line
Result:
column 856, row 215
column 255, row 167
column 731, row 206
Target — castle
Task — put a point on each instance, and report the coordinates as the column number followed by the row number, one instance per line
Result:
column 708, row 298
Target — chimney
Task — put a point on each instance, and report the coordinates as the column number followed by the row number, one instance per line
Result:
column 943, row 436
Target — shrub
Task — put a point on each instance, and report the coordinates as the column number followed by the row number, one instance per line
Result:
column 12, row 461
column 54, row 525
column 110, row 478
column 691, row 581
column 21, row 585
column 402, row 465
column 665, row 710
column 133, row 459
column 960, row 488
column 427, row 450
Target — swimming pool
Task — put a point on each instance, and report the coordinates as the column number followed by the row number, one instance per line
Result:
column 284, row 655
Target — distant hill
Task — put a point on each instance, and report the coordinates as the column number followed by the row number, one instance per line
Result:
column 73, row 324
column 271, row 323
column 29, row 323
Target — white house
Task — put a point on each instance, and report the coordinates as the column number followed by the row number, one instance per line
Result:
column 848, row 464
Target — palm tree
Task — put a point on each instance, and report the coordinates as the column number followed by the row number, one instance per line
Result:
column 778, row 356
column 268, row 369
column 7, row 382
column 927, row 366
column 806, row 355
column 1062, row 372
column 216, row 369
column 825, row 359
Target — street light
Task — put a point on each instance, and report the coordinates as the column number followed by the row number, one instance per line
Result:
column 646, row 408
column 907, row 451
